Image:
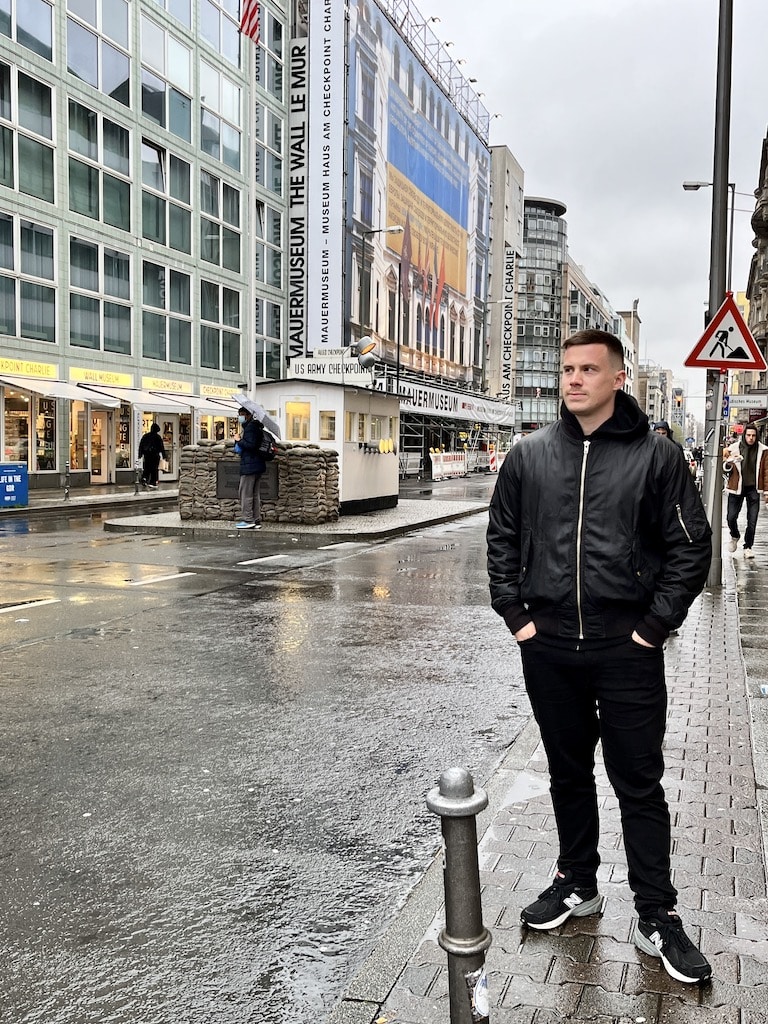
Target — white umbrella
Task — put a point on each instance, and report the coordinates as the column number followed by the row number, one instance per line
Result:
column 259, row 412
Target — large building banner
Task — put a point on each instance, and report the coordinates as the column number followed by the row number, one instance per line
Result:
column 427, row 183
column 387, row 147
column 325, row 227
column 298, row 185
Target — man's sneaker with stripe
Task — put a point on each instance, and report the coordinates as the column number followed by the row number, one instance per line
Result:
column 662, row 936
column 560, row 901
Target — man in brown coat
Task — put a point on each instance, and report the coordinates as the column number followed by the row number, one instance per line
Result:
column 747, row 469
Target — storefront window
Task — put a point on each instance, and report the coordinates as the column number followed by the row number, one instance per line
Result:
column 78, row 436
column 16, row 423
column 297, row 420
column 327, row 425
column 45, row 434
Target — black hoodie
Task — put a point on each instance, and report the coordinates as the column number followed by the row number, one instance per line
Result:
column 594, row 537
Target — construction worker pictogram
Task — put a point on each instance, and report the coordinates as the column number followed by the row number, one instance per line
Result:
column 727, row 343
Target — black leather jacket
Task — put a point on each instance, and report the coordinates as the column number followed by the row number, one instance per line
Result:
column 592, row 538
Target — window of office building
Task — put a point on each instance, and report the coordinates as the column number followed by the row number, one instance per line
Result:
column 97, row 143
column 269, row 55
column 268, row 127
column 100, row 291
column 268, row 162
column 27, row 299
column 166, row 79
column 29, row 23
column 220, row 116
column 97, row 46
column 180, row 9
column 166, row 315
column 267, row 244
column 166, row 216
column 219, row 327
column 220, row 26
column 219, row 222
column 26, row 162
column 268, row 318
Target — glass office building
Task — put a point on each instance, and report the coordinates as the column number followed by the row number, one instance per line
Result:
column 141, row 225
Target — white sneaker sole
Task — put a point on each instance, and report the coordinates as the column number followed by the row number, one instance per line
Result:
column 582, row 910
column 646, row 946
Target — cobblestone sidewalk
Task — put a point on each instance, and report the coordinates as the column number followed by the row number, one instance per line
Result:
column 589, row 969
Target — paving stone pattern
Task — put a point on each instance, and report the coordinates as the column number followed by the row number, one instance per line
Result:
column 589, row 969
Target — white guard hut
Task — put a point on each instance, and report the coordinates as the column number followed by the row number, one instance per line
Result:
column 362, row 425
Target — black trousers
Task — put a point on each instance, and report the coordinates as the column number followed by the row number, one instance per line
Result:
column 617, row 695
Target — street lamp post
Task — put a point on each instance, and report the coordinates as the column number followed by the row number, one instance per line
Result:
column 694, row 186
column 717, row 281
column 393, row 229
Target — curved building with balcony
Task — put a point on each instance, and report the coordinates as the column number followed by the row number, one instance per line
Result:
column 539, row 311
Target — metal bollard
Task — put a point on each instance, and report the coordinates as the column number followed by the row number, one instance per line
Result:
column 67, row 481
column 464, row 938
column 136, row 478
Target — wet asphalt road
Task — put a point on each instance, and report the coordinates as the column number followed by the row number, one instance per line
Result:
column 212, row 775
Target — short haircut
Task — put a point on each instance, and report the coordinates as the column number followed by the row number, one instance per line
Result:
column 595, row 337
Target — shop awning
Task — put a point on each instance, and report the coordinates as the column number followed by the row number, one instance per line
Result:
column 204, row 406
column 59, row 389
column 146, row 400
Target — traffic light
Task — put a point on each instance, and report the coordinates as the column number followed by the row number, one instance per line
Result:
column 678, row 401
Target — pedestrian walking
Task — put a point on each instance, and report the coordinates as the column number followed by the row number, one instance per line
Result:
column 151, row 449
column 252, row 466
column 597, row 546
column 747, row 471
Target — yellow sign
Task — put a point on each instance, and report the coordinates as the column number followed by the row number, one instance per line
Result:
column 214, row 391
column 27, row 368
column 179, row 387
column 85, row 376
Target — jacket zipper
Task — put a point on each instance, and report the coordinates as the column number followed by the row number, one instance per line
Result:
column 682, row 523
column 579, row 527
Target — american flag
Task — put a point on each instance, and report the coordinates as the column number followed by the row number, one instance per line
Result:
column 249, row 22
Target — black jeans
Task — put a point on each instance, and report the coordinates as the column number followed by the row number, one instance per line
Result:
column 616, row 694
column 735, row 501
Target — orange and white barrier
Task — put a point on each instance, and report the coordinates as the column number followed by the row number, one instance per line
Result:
column 448, row 464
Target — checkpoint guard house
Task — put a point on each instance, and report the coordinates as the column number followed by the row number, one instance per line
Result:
column 359, row 423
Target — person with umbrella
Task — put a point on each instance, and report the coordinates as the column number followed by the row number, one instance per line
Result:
column 252, row 466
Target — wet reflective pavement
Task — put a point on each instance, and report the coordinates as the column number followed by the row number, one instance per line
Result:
column 213, row 773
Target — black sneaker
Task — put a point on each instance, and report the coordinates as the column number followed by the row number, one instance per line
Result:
column 560, row 901
column 662, row 936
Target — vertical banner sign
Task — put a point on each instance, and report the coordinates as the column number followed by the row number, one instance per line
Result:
column 508, row 324
column 325, row 248
column 297, row 200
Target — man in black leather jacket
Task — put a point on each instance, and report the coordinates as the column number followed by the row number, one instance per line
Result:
column 597, row 546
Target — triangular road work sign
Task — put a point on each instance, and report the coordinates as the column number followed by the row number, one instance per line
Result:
column 726, row 343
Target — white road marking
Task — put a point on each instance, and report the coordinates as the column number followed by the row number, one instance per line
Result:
column 30, row 604
column 160, row 579
column 264, row 558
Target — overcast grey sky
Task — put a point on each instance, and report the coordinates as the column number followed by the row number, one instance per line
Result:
column 609, row 107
